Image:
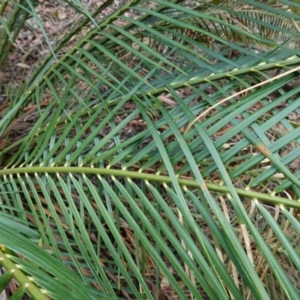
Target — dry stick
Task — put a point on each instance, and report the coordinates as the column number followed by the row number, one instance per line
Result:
column 296, row 25
column 241, row 92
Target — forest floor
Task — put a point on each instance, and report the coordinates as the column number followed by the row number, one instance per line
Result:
column 36, row 38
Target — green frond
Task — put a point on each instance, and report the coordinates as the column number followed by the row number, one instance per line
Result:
column 162, row 157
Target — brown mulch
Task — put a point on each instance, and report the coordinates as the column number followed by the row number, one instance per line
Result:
column 57, row 17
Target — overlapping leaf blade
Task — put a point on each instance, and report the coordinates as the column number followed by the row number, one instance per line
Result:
column 127, row 97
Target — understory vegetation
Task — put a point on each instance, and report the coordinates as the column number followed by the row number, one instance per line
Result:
column 149, row 149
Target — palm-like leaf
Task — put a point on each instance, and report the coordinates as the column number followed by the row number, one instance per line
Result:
column 130, row 179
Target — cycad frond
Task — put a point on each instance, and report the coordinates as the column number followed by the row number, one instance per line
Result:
column 156, row 166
